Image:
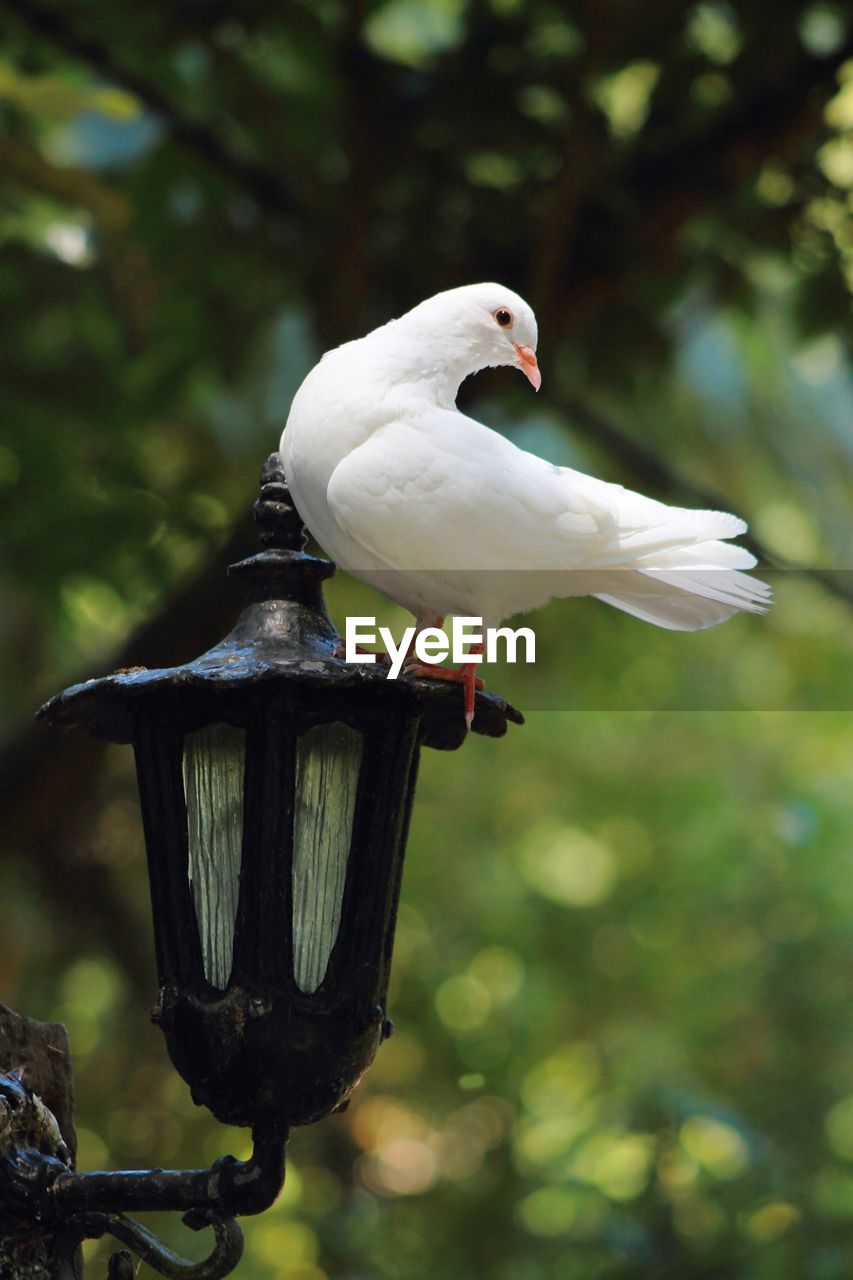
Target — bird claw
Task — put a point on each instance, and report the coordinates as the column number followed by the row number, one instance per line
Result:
column 463, row 675
column 430, row 671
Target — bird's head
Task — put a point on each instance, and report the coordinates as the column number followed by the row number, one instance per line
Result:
column 482, row 326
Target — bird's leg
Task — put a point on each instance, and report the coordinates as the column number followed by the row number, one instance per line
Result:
column 464, row 675
column 412, row 665
column 422, row 620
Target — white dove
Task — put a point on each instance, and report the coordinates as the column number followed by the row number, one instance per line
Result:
column 445, row 516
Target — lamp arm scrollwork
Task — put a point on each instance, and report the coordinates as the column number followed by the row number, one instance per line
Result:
column 226, row 1253
column 40, row 1194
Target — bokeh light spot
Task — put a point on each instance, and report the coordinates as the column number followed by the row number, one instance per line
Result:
column 839, row 1127
column 712, row 30
column 559, row 1082
column 463, row 1002
column 625, row 96
column 500, row 970
column 617, row 1163
column 550, row 1211
column 414, row 31
column 568, row 866
column 283, row 1245
column 717, row 1146
column 94, row 983
column 771, row 1221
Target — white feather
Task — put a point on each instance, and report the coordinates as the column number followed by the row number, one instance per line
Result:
column 446, row 516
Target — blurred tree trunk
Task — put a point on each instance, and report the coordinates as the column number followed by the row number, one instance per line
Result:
column 39, row 1056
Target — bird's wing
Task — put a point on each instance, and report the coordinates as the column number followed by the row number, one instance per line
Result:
column 647, row 532
column 441, row 492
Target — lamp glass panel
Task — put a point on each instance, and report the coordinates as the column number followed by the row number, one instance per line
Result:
column 328, row 763
column 214, row 764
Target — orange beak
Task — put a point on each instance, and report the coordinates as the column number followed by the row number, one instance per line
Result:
column 528, row 366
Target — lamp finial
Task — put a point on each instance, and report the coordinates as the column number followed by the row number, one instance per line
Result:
column 279, row 522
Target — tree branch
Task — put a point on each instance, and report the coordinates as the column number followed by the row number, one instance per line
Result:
column 671, row 177
column 271, row 193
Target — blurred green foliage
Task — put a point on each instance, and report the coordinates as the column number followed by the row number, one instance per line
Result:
column 624, row 1042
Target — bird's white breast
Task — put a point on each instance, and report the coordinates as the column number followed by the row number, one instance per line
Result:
column 339, row 406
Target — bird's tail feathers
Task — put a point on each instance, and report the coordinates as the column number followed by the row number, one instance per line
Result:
column 703, row 555
column 677, row 523
column 686, row 599
column 641, row 532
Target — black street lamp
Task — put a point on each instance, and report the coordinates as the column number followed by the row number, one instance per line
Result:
column 276, row 783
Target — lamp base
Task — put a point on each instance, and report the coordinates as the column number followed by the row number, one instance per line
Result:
column 251, row 1062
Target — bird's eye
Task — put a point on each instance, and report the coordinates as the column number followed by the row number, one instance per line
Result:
column 504, row 318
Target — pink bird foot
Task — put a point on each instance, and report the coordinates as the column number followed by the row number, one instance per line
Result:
column 464, row 675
